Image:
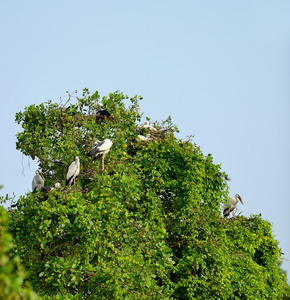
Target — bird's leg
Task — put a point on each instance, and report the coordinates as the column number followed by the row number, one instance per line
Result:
column 103, row 162
column 75, row 183
column 234, row 210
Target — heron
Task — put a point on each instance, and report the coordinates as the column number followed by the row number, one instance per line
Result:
column 100, row 149
column 38, row 181
column 232, row 205
column 73, row 172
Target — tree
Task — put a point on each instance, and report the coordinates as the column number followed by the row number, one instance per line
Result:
column 12, row 274
column 148, row 227
column 284, row 274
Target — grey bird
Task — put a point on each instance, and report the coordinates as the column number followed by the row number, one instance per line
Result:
column 38, row 181
column 232, row 205
column 72, row 172
column 100, row 149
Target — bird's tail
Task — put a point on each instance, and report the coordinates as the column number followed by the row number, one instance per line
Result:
column 98, row 156
column 226, row 212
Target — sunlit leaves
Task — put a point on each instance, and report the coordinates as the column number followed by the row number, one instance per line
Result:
column 147, row 227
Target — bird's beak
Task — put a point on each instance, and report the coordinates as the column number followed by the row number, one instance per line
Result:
column 241, row 200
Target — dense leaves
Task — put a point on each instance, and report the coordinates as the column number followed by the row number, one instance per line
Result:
column 12, row 274
column 147, row 227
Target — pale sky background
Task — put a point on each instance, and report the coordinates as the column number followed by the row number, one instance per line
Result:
column 220, row 69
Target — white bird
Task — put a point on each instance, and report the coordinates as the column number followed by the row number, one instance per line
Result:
column 100, row 105
column 73, row 172
column 49, row 188
column 100, row 149
column 57, row 185
column 38, row 181
column 232, row 205
column 146, row 138
column 147, row 126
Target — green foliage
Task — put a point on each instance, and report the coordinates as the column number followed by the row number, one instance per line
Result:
column 148, row 227
column 12, row 273
column 284, row 274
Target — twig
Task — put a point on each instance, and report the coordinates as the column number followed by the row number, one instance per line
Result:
column 12, row 199
column 22, row 166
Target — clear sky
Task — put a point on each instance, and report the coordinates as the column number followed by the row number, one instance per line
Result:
column 220, row 69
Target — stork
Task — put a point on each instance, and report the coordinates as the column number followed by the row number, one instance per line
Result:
column 100, row 105
column 73, row 172
column 232, row 205
column 100, row 149
column 146, row 138
column 103, row 113
column 38, row 181
column 49, row 188
column 57, row 185
column 146, row 125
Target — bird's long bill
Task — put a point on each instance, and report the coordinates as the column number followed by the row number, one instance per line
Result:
column 241, row 200
column 41, row 175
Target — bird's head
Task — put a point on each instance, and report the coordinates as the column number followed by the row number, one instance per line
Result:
column 38, row 172
column 238, row 197
column 100, row 105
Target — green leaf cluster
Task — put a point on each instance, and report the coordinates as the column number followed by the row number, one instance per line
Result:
column 148, row 227
column 12, row 274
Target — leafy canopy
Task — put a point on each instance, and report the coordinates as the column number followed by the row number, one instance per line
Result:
column 12, row 274
column 148, row 227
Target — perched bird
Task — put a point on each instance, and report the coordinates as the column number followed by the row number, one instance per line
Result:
column 232, row 205
column 38, row 181
column 57, row 185
column 100, row 105
column 146, row 125
column 146, row 138
column 100, row 149
column 103, row 113
column 49, row 188
column 73, row 172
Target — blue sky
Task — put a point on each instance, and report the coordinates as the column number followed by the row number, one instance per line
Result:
column 220, row 69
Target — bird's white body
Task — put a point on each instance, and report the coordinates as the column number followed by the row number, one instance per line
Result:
column 38, row 181
column 100, row 149
column 146, row 138
column 100, row 105
column 57, row 185
column 47, row 189
column 73, row 171
column 232, row 205
column 146, row 125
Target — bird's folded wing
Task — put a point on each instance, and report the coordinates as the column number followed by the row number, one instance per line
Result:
column 71, row 170
column 97, row 149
